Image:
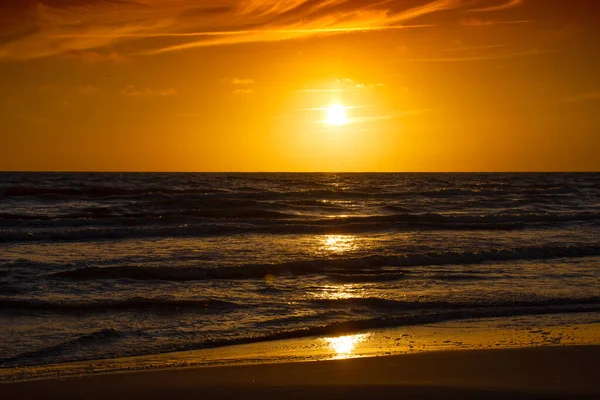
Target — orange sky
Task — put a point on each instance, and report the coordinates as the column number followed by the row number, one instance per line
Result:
column 244, row 85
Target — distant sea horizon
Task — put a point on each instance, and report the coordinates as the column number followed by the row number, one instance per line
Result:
column 299, row 172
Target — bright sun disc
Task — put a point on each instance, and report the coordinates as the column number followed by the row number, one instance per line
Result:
column 336, row 115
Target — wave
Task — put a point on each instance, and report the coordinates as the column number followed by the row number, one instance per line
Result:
column 471, row 219
column 422, row 318
column 389, row 276
column 364, row 265
column 98, row 338
column 133, row 304
column 212, row 305
column 304, row 190
column 103, row 232
column 366, row 278
column 376, row 303
column 236, row 227
column 21, row 263
column 379, row 192
column 266, row 212
column 217, row 222
column 99, row 191
column 358, row 325
column 430, row 313
column 149, row 217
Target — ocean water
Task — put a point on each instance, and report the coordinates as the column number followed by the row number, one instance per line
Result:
column 107, row 265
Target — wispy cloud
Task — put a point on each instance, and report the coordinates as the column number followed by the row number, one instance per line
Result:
column 96, row 57
column 473, row 48
column 241, row 86
column 502, row 5
column 490, row 22
column 93, row 29
column 243, row 91
column 134, row 91
column 242, row 81
column 481, row 57
column 342, row 85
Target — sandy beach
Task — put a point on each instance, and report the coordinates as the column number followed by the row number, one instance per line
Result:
column 568, row 372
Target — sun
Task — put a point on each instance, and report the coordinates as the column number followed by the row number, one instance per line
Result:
column 336, row 115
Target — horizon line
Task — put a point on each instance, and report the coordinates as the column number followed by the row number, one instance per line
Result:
column 304, row 172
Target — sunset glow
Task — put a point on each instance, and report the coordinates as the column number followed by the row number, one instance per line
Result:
column 265, row 85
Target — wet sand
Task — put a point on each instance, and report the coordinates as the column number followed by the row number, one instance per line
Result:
column 569, row 372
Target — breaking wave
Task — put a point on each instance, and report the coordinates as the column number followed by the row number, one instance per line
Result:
column 98, row 338
column 133, row 304
column 338, row 265
column 219, row 222
column 108, row 336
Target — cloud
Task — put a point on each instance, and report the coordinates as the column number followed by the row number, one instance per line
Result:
column 243, row 91
column 242, row 81
column 352, row 84
column 96, row 57
column 506, row 4
column 342, row 85
column 481, row 57
column 101, row 30
column 133, row 91
column 489, row 22
column 473, row 48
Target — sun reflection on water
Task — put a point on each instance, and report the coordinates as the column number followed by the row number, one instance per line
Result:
column 342, row 291
column 338, row 243
column 344, row 346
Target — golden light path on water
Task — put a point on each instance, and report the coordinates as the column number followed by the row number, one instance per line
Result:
column 338, row 243
column 342, row 346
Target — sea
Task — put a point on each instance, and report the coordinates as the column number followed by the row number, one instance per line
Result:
column 104, row 265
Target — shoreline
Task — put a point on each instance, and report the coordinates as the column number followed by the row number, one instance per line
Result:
column 482, row 334
column 524, row 373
